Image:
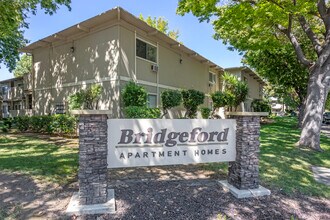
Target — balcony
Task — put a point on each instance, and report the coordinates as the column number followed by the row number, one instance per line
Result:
column 22, row 112
column 13, row 93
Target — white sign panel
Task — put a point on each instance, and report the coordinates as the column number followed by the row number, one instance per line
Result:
column 154, row 142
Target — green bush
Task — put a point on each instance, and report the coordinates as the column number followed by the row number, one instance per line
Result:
column 76, row 101
column 5, row 129
column 259, row 105
column 22, row 123
column 236, row 91
column 170, row 99
column 219, row 99
column 191, row 100
column 8, row 122
column 134, row 95
column 61, row 124
column 86, row 99
column 141, row 112
column 64, row 124
column 205, row 112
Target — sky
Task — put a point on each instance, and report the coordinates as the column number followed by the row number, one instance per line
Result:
column 196, row 36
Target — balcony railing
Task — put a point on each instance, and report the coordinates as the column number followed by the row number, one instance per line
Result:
column 13, row 93
column 22, row 112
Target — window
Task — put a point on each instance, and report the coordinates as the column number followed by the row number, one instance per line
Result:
column 152, row 101
column 146, row 51
column 212, row 78
column 59, row 108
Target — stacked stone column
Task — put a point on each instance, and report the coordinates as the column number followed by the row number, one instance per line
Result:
column 244, row 172
column 92, row 159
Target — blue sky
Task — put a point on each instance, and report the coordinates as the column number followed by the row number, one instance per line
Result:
column 197, row 36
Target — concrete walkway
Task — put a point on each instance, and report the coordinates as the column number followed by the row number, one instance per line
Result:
column 322, row 175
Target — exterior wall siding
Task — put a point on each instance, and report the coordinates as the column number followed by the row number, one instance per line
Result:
column 59, row 72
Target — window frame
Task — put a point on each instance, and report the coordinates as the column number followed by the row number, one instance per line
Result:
column 152, row 94
column 147, row 42
column 214, row 80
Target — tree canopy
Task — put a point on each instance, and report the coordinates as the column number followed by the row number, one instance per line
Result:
column 161, row 24
column 24, row 65
column 268, row 24
column 13, row 22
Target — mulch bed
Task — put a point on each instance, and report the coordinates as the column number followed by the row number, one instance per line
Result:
column 173, row 192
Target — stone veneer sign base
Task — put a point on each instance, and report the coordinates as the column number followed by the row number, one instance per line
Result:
column 245, row 193
column 74, row 208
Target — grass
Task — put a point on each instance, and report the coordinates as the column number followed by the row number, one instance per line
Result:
column 284, row 166
column 38, row 158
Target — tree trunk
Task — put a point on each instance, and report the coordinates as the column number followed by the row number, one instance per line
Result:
column 300, row 114
column 314, row 107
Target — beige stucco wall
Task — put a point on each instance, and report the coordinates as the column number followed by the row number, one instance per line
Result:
column 190, row 74
column 60, row 72
column 102, row 57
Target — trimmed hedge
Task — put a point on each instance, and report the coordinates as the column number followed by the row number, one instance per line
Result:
column 141, row 112
column 60, row 124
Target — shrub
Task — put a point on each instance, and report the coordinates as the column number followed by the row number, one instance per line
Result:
column 76, row 101
column 219, row 99
column 259, row 105
column 62, row 124
column 205, row 112
column 170, row 99
column 134, row 95
column 236, row 91
column 141, row 112
column 191, row 100
column 86, row 99
column 5, row 129
column 22, row 123
column 8, row 122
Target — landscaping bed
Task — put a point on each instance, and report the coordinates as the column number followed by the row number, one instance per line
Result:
column 38, row 177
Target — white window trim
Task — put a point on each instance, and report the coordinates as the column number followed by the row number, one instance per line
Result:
column 215, row 76
column 147, row 42
column 140, row 58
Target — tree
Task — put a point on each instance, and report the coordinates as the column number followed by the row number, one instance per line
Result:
column 13, row 21
column 24, row 65
column 264, row 24
column 283, row 71
column 162, row 25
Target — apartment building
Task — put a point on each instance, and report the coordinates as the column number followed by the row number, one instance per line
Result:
column 254, row 82
column 16, row 96
column 111, row 49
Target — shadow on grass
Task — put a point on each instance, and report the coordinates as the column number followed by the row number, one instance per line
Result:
column 40, row 158
column 287, row 167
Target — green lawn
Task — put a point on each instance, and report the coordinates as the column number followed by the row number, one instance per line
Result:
column 39, row 158
column 284, row 166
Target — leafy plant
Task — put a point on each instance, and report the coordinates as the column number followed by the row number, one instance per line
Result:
column 259, row 105
column 8, row 122
column 86, row 99
column 92, row 96
column 170, row 99
column 5, row 129
column 205, row 112
column 236, row 90
column 61, row 124
column 134, row 95
column 141, row 112
column 22, row 123
column 191, row 100
column 76, row 101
